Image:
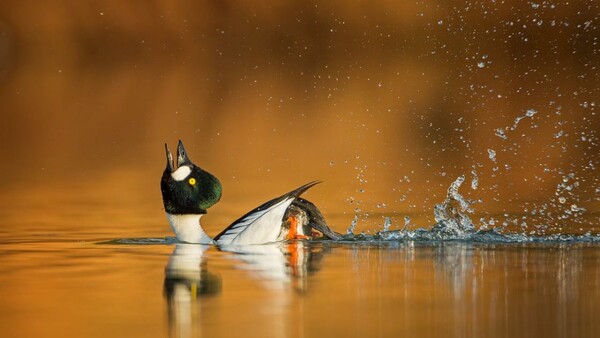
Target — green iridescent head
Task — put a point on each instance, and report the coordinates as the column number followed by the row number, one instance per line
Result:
column 186, row 188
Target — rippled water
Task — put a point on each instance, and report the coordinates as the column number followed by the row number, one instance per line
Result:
column 91, row 266
column 95, row 285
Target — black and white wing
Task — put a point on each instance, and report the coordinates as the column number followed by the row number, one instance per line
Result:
column 263, row 224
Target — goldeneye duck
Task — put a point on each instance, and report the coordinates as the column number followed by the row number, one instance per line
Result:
column 189, row 191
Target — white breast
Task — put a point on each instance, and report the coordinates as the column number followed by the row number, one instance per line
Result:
column 187, row 229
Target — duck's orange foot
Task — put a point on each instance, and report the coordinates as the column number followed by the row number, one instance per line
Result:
column 301, row 237
column 293, row 231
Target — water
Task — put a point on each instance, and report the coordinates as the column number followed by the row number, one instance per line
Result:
column 155, row 288
column 59, row 278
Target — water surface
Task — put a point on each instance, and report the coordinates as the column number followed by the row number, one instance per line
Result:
column 154, row 287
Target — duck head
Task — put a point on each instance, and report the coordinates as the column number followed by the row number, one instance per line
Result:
column 186, row 188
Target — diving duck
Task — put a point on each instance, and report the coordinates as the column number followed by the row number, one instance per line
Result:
column 189, row 191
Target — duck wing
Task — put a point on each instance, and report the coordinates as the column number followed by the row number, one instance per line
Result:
column 257, row 226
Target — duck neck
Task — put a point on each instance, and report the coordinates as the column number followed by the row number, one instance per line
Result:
column 187, row 228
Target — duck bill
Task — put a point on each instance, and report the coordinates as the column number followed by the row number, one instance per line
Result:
column 170, row 168
column 182, row 158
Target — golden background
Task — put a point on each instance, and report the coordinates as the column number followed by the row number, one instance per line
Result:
column 386, row 102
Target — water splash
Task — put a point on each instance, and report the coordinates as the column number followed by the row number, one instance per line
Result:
column 529, row 113
column 492, row 155
column 480, row 236
column 451, row 215
column 474, row 180
column 454, row 224
column 502, row 132
column 350, row 230
column 387, row 223
column 406, row 222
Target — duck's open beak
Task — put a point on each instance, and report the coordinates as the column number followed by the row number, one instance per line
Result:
column 182, row 158
column 170, row 168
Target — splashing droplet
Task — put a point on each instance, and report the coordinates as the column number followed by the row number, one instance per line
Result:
column 474, row 180
column 451, row 218
column 406, row 222
column 350, row 230
column 387, row 223
column 492, row 155
column 501, row 134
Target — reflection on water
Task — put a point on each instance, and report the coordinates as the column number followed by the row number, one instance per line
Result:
column 279, row 265
column 186, row 279
column 283, row 267
column 402, row 288
column 468, row 289
column 466, row 269
column 152, row 288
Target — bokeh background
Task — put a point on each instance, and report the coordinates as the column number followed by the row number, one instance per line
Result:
column 387, row 102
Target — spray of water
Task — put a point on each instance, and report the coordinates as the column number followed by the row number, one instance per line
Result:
column 454, row 224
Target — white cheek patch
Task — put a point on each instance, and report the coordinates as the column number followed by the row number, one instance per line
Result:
column 181, row 173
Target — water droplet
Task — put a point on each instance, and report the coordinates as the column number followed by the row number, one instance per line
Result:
column 530, row 112
column 387, row 223
column 350, row 230
column 474, row 180
column 492, row 154
column 500, row 133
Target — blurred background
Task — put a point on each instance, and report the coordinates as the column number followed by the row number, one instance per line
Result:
column 387, row 102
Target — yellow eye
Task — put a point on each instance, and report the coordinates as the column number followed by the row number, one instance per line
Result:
column 192, row 181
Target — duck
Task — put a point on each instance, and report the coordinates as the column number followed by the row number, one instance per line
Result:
column 188, row 191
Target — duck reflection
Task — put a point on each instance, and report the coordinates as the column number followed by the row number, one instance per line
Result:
column 279, row 265
column 276, row 266
column 187, row 279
